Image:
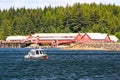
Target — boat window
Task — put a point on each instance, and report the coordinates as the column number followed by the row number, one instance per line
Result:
column 41, row 52
column 37, row 52
column 32, row 52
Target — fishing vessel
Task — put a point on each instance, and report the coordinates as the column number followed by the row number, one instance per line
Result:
column 36, row 54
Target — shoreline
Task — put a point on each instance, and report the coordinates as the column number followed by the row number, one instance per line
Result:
column 88, row 49
column 97, row 46
column 89, row 46
column 85, row 49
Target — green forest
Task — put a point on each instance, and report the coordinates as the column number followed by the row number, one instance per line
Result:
column 78, row 18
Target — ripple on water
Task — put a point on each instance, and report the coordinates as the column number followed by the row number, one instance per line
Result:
column 62, row 65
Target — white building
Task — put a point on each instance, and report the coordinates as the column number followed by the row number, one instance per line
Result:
column 114, row 38
column 16, row 38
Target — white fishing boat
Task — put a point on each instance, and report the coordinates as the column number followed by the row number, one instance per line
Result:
column 36, row 54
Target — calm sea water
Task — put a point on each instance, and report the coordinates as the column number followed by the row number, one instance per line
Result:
column 62, row 65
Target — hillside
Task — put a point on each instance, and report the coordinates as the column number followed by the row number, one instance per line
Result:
column 77, row 18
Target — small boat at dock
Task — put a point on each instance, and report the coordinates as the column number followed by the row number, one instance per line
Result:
column 36, row 54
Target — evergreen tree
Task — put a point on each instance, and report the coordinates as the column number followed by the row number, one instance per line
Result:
column 77, row 18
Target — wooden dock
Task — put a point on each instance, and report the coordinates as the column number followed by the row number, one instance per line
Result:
column 5, row 44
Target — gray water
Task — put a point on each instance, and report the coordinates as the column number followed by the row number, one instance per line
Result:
column 61, row 65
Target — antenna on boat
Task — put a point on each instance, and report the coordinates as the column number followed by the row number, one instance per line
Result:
column 37, row 38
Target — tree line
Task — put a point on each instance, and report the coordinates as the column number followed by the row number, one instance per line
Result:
column 78, row 18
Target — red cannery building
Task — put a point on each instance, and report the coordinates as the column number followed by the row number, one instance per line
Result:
column 32, row 38
column 57, row 38
column 62, row 38
column 78, row 37
column 95, row 37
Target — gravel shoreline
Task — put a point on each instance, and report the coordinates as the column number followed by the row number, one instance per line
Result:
column 95, row 46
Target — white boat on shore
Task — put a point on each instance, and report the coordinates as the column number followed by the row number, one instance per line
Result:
column 36, row 54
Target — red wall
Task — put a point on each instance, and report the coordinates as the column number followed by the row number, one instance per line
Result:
column 85, row 38
column 78, row 37
column 107, row 39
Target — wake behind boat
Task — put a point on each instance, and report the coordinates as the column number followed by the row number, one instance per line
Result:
column 36, row 54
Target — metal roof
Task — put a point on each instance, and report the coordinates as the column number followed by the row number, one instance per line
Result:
column 53, row 38
column 96, row 35
column 55, row 34
column 114, row 38
column 16, row 37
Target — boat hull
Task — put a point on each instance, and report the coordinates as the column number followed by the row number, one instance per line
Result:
column 36, row 54
column 44, row 57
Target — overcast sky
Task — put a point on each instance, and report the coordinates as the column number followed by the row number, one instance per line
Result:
column 6, row 4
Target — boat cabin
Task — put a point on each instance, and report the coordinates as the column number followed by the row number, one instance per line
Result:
column 36, row 52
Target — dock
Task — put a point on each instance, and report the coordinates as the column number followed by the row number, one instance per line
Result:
column 15, row 44
column 86, row 46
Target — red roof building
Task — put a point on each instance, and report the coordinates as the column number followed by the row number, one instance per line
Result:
column 95, row 37
column 56, row 38
column 62, row 38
